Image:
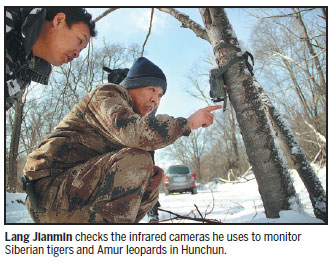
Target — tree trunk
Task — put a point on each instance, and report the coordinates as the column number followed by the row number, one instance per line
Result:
column 301, row 98
column 236, row 166
column 265, row 156
column 14, row 145
column 297, row 160
column 312, row 52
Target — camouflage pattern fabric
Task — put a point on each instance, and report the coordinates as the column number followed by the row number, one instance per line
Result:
column 95, row 165
column 111, row 188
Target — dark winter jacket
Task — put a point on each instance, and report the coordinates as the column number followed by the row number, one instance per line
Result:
column 23, row 26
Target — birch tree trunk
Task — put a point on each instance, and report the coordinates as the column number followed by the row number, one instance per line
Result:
column 234, row 143
column 297, row 159
column 269, row 164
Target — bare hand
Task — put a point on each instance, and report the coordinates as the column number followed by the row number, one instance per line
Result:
column 203, row 117
column 156, row 178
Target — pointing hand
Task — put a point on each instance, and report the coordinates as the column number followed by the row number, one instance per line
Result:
column 203, row 117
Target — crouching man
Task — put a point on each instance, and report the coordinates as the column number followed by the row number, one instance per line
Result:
column 95, row 167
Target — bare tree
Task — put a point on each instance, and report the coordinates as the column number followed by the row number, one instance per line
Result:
column 264, row 153
column 190, row 151
column 224, row 128
column 14, row 146
column 298, row 57
column 308, row 40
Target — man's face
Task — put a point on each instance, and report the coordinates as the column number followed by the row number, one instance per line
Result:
column 146, row 99
column 64, row 43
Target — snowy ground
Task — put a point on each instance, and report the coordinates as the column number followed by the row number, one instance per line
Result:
column 228, row 203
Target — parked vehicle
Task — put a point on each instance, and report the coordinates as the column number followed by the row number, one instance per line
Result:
column 179, row 178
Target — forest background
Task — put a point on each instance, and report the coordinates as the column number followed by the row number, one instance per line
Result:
column 290, row 68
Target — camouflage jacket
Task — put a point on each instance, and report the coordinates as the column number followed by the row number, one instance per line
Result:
column 23, row 26
column 103, row 121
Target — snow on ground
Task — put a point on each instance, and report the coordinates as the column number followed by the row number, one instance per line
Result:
column 237, row 203
column 227, row 202
column 15, row 210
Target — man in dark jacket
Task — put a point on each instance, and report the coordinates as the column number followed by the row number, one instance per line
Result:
column 94, row 167
column 37, row 38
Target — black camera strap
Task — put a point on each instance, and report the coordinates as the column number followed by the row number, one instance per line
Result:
column 245, row 56
column 217, row 90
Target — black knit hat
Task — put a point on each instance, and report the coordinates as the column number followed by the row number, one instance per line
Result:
column 144, row 73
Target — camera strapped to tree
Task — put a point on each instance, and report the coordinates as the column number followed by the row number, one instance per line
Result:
column 216, row 79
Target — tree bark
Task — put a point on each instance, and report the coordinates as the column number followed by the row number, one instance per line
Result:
column 187, row 22
column 297, row 160
column 234, row 143
column 14, row 145
column 265, row 156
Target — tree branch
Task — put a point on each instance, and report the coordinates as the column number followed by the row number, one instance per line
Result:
column 178, row 216
column 321, row 138
column 187, row 22
column 203, row 219
column 198, row 211
column 276, row 16
column 149, row 31
column 236, row 182
column 104, row 14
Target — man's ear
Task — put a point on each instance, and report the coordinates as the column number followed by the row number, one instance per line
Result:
column 59, row 19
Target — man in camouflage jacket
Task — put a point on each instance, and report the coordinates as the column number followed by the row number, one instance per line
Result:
column 38, row 37
column 95, row 166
